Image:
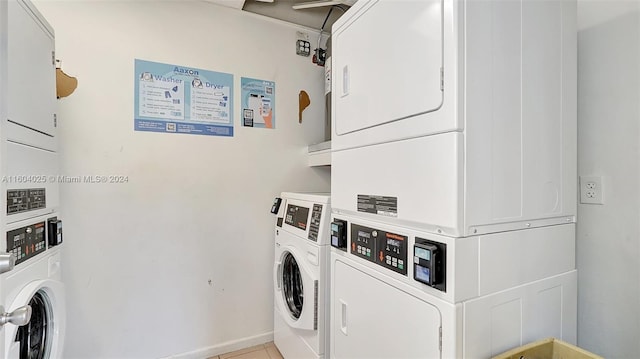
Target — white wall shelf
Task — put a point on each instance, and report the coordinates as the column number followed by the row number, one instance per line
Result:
column 320, row 154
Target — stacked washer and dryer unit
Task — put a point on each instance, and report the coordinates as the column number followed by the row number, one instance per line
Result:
column 453, row 177
column 301, row 274
column 32, row 303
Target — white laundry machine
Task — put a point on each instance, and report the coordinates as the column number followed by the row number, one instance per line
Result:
column 32, row 303
column 35, row 281
column 301, row 275
column 401, row 293
column 453, row 179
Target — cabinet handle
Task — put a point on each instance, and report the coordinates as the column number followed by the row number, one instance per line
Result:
column 343, row 321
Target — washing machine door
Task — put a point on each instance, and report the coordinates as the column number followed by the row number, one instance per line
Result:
column 43, row 336
column 296, row 288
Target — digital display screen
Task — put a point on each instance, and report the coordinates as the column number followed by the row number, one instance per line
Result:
column 423, row 274
column 393, row 242
column 334, row 227
column 423, row 253
column 363, row 234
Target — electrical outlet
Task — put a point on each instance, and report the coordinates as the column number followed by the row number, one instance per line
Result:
column 303, row 48
column 591, row 190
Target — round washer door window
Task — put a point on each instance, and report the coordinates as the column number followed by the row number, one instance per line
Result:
column 35, row 337
column 292, row 288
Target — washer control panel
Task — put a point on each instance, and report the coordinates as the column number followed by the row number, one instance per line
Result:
column 381, row 247
column 363, row 242
column 297, row 216
column 26, row 242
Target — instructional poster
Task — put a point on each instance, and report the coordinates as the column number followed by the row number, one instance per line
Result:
column 258, row 103
column 178, row 99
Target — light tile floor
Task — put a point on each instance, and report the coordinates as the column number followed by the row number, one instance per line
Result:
column 262, row 351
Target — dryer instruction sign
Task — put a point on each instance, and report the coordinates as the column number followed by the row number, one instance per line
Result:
column 179, row 99
column 258, row 103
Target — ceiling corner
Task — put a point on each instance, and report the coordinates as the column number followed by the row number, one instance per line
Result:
column 236, row 4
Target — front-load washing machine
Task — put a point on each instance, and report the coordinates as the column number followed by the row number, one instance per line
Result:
column 301, row 275
column 35, row 283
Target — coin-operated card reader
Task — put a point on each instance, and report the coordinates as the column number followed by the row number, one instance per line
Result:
column 339, row 234
column 429, row 263
column 276, row 205
column 54, row 231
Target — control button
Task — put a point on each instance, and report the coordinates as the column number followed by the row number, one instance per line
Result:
column 394, row 259
column 400, row 266
column 368, row 251
column 388, row 258
column 400, row 261
column 395, row 264
column 388, row 262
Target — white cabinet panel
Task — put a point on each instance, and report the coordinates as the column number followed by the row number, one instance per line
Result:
column 389, row 64
column 31, row 76
column 408, row 327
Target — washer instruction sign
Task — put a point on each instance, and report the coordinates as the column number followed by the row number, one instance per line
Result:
column 178, row 99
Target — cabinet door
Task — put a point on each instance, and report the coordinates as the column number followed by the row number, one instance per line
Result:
column 31, row 76
column 387, row 65
column 372, row 319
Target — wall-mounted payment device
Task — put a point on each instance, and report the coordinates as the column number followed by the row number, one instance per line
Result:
column 429, row 263
column 54, row 231
column 26, row 242
column 339, row 234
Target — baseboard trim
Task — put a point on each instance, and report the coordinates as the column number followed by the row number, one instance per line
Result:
column 225, row 347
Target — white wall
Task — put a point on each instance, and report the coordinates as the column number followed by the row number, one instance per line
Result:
column 608, row 236
column 180, row 258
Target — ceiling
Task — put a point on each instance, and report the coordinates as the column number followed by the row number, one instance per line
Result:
column 282, row 10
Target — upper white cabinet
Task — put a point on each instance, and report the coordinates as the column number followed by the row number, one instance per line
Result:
column 31, row 82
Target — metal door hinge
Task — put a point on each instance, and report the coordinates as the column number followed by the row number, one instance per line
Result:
column 440, row 339
column 442, row 79
column 53, row 58
column 55, row 120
